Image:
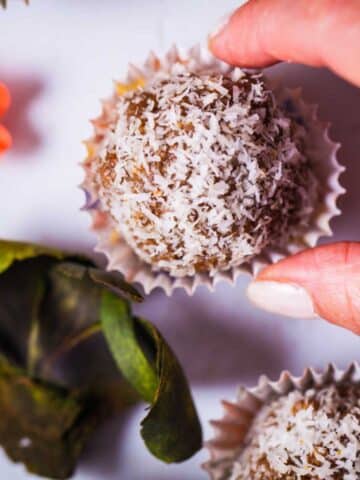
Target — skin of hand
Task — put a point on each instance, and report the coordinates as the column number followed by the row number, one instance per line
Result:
column 322, row 281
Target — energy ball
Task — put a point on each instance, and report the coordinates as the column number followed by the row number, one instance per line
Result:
column 200, row 172
column 304, row 436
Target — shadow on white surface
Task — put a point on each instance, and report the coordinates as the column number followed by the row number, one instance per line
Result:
column 215, row 345
column 102, row 456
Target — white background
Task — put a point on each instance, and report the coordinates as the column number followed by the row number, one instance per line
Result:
column 59, row 58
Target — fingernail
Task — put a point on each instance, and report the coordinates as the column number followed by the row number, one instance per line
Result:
column 220, row 27
column 283, row 298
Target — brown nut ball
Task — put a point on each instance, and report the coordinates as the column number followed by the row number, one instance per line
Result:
column 202, row 172
column 304, row 436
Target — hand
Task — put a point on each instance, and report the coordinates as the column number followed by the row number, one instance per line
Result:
column 322, row 281
column 320, row 33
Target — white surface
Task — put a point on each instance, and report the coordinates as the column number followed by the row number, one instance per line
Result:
column 58, row 59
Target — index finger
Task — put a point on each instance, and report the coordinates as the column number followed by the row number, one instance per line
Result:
column 313, row 32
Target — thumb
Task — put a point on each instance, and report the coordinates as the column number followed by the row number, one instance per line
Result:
column 322, row 281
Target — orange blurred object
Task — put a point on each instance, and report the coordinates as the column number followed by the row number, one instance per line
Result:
column 5, row 98
column 5, row 137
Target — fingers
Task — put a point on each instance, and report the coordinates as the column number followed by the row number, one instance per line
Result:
column 322, row 281
column 317, row 33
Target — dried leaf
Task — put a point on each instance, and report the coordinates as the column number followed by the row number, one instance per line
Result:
column 49, row 304
column 56, row 310
column 171, row 430
column 12, row 251
column 42, row 425
column 115, row 282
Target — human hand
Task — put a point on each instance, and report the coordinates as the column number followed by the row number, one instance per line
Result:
column 321, row 33
column 322, row 281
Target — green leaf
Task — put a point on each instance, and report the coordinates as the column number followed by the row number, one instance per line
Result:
column 171, row 430
column 42, row 425
column 57, row 311
column 19, row 302
column 69, row 305
column 70, row 312
column 72, row 305
column 118, row 326
column 49, row 329
column 12, row 251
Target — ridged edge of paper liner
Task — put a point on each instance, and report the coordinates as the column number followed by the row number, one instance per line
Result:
column 232, row 428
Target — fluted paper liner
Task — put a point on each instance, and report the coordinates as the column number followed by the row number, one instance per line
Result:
column 119, row 254
column 231, row 430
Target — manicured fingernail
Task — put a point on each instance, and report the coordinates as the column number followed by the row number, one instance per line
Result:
column 220, row 27
column 283, row 298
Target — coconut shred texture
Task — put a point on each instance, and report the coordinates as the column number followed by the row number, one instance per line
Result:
column 202, row 172
column 305, row 436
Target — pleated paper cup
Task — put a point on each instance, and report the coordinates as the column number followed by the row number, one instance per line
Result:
column 319, row 148
column 231, row 430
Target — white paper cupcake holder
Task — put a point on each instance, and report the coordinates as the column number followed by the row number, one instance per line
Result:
column 231, row 430
column 322, row 149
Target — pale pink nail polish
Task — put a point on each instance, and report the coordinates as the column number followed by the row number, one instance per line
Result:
column 282, row 298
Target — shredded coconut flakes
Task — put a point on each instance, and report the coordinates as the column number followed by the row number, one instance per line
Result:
column 310, row 436
column 202, row 172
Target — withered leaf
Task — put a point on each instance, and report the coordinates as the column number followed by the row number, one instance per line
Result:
column 57, row 311
column 49, row 328
column 171, row 430
column 43, row 425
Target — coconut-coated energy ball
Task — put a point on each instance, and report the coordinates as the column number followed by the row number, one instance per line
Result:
column 202, row 172
column 304, row 436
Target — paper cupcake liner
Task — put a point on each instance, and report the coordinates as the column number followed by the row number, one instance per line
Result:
column 232, row 429
column 322, row 149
